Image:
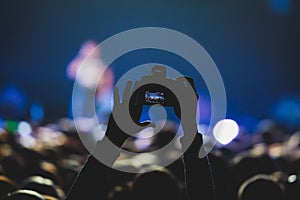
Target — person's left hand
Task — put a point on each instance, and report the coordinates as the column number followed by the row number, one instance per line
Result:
column 124, row 119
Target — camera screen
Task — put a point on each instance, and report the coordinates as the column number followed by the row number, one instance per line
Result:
column 154, row 98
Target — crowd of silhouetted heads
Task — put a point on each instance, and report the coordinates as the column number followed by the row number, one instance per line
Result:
column 262, row 164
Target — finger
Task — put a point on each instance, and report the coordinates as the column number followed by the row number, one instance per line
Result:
column 127, row 93
column 116, row 95
column 136, row 85
column 190, row 82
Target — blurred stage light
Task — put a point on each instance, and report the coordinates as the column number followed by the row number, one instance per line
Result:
column 2, row 123
column 13, row 103
column 204, row 109
column 287, row 110
column 36, row 112
column 281, row 6
column 225, row 131
column 292, row 178
column 143, row 139
column 142, row 143
column 24, row 129
column 27, row 141
column 11, row 126
column 202, row 128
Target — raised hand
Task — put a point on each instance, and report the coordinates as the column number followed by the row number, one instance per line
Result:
column 186, row 112
column 124, row 120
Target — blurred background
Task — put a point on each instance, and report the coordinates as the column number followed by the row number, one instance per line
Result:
column 255, row 44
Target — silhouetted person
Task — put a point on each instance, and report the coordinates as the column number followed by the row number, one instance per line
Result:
column 94, row 179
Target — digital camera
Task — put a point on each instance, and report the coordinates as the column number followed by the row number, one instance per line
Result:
column 153, row 88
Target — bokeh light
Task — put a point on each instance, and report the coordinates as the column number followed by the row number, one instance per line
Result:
column 36, row 112
column 11, row 126
column 225, row 131
column 292, row 178
column 24, row 128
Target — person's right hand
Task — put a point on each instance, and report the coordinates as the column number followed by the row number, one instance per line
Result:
column 186, row 112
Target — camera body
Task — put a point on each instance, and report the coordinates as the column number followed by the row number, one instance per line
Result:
column 151, row 89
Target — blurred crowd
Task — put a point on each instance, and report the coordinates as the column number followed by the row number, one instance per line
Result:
column 45, row 161
column 264, row 164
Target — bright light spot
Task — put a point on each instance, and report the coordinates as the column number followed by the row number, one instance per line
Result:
column 276, row 151
column 142, row 143
column 27, row 141
column 89, row 72
column 24, row 129
column 146, row 133
column 49, row 137
column 85, row 124
column 292, row 178
column 225, row 131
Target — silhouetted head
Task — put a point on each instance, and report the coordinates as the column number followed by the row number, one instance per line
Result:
column 13, row 167
column 155, row 185
column 246, row 166
column 260, row 187
column 41, row 185
column 24, row 195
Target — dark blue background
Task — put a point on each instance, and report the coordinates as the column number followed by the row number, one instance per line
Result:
column 255, row 44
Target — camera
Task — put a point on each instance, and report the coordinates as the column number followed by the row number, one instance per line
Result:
column 155, row 88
